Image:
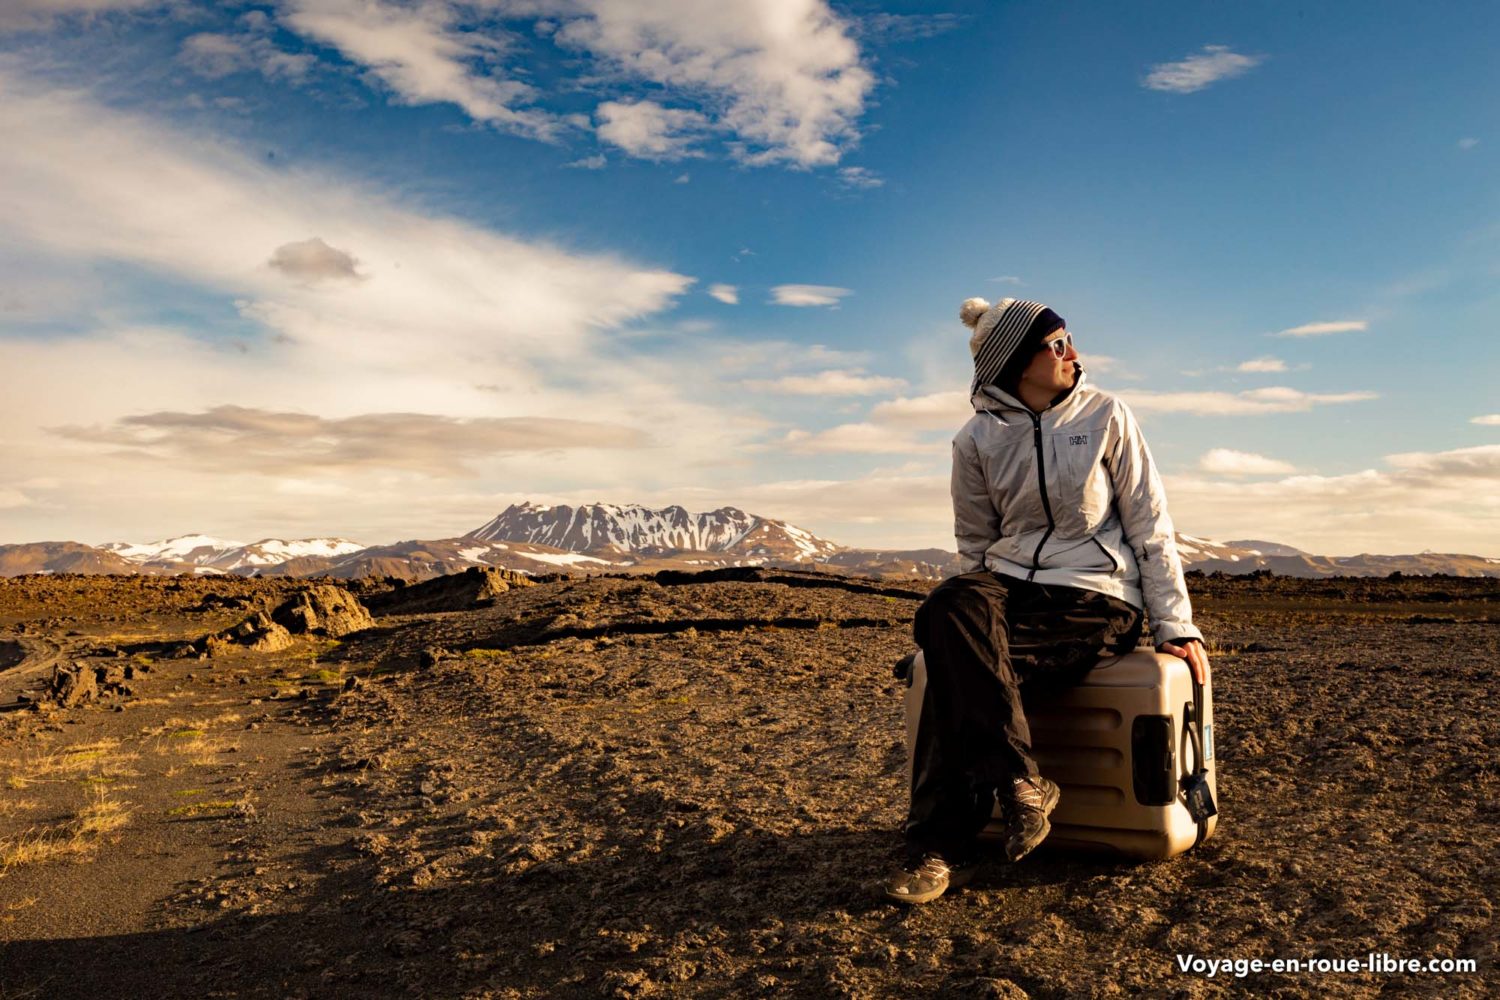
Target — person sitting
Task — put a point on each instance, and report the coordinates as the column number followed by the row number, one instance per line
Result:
column 1063, row 541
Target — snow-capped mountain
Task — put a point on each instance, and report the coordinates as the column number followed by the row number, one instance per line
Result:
column 633, row 529
column 275, row 551
column 205, row 554
column 196, row 550
column 614, row 538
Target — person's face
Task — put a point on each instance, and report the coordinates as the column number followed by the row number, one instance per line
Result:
column 1050, row 370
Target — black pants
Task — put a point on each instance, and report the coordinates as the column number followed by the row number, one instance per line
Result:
column 991, row 645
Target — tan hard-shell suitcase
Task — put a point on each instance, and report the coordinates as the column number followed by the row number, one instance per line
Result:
column 1120, row 746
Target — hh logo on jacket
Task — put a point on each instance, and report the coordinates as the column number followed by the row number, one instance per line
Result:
column 1078, row 439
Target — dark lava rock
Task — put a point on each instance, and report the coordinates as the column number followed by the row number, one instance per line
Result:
column 73, row 685
column 323, row 610
column 475, row 587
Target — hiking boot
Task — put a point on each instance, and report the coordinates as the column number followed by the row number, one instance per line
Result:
column 1026, row 810
column 927, row 878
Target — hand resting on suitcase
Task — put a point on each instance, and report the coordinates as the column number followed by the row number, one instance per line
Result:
column 1191, row 650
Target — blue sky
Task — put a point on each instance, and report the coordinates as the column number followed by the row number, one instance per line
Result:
column 378, row 269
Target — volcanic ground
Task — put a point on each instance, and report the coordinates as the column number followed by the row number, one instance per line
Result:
column 692, row 785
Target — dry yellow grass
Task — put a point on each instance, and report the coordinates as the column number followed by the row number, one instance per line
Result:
column 10, row 805
column 100, row 759
column 78, row 836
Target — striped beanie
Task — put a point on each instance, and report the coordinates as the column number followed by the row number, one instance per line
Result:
column 1003, row 332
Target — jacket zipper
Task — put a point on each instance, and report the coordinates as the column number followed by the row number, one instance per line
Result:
column 1041, row 482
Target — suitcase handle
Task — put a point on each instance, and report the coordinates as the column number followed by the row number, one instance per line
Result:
column 1197, row 795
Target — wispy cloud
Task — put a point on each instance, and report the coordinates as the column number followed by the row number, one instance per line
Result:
column 1214, row 63
column 596, row 162
column 1007, row 279
column 1266, row 364
column 1423, row 500
column 649, row 131
column 891, row 28
column 1488, row 420
column 246, row 439
column 868, row 439
column 1228, row 462
column 861, row 178
column 1323, row 329
column 426, row 55
column 760, row 356
column 251, row 48
column 1467, row 143
column 727, row 294
column 934, row 412
column 808, row 295
column 23, row 15
column 1272, row 399
column 828, row 383
column 460, row 323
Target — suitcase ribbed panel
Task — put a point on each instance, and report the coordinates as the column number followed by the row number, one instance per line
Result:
column 1083, row 741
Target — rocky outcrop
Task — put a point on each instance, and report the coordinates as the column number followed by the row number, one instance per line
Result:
column 73, row 685
column 79, row 683
column 475, row 587
column 258, row 633
column 323, row 610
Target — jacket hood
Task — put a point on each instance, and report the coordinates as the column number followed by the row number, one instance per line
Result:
column 992, row 397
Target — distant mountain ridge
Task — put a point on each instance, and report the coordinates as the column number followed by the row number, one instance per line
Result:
column 632, row 529
column 597, row 538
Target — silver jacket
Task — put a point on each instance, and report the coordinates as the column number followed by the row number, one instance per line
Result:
column 1068, row 496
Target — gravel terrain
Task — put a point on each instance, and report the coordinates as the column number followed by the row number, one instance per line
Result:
column 692, row 786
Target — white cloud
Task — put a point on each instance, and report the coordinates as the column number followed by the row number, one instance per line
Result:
column 11, row 499
column 1265, row 364
column 1443, row 501
column 1214, row 63
column 782, row 80
column 649, row 131
column 760, row 356
column 1481, row 462
column 1227, row 462
column 25, row 15
column 213, row 54
column 453, row 324
column 1323, row 329
column 727, row 294
column 808, row 295
column 867, row 439
column 1467, row 143
column 860, row 177
column 246, row 439
column 81, row 183
column 934, row 412
column 783, row 77
column 425, row 55
column 1100, row 363
column 827, row 383
column 892, row 28
column 595, row 162
column 1488, row 420
column 1007, row 279
column 683, row 179
column 1272, row 399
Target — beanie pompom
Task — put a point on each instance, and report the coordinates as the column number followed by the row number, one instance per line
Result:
column 971, row 310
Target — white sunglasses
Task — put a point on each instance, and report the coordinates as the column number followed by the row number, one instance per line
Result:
column 1060, row 346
